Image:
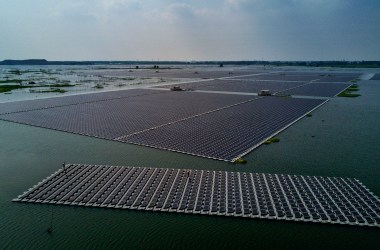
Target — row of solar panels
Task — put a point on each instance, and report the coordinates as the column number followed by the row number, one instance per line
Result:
column 211, row 125
column 288, row 197
column 115, row 117
column 375, row 77
column 228, row 133
column 176, row 73
column 320, row 89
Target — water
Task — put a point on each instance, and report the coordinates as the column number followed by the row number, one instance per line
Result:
column 85, row 79
column 345, row 143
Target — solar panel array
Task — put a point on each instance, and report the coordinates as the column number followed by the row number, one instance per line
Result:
column 339, row 77
column 228, row 133
column 321, row 89
column 375, row 77
column 216, row 126
column 272, row 196
column 174, row 73
column 289, row 83
column 304, row 76
column 282, row 76
column 117, row 117
column 233, row 85
column 22, row 106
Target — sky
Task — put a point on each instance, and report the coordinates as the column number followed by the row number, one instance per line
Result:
column 190, row 30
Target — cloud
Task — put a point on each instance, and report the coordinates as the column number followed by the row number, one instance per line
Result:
column 191, row 29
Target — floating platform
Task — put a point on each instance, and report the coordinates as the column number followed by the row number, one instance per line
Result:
column 304, row 76
column 229, row 133
column 321, row 89
column 217, row 126
column 237, row 85
column 327, row 200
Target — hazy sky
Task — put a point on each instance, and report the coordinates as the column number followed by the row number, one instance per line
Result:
column 190, row 30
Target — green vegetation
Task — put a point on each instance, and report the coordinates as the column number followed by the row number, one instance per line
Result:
column 309, row 115
column 272, row 140
column 353, row 87
column 62, row 85
column 15, row 72
column 11, row 81
column 7, row 88
column 99, row 86
column 59, row 81
column 20, row 72
column 51, row 90
column 347, row 92
column 240, row 161
column 48, row 72
column 55, row 91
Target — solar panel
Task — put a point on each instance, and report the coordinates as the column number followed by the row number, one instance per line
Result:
column 132, row 188
column 321, row 89
column 188, row 122
column 117, row 117
column 375, row 77
column 46, row 103
column 174, row 73
column 236, row 85
column 248, row 124
column 304, row 76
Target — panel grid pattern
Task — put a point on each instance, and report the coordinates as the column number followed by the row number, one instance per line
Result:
column 375, row 77
column 113, row 118
column 321, row 89
column 304, row 76
column 23, row 106
column 246, row 86
column 228, row 133
column 251, row 195
column 174, row 73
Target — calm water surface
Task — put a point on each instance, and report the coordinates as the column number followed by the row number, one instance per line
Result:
column 345, row 141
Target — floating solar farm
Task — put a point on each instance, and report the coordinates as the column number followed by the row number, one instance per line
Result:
column 216, row 126
column 250, row 195
column 200, row 73
column 234, row 85
column 234, row 132
column 222, row 126
column 23, row 106
column 304, row 76
column 283, row 84
column 375, row 77
column 322, row 89
column 222, row 119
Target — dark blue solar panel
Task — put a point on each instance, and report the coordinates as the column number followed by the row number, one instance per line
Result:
column 230, row 132
column 232, row 85
column 317, row 89
column 122, row 116
column 11, row 107
column 174, row 73
column 375, row 77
